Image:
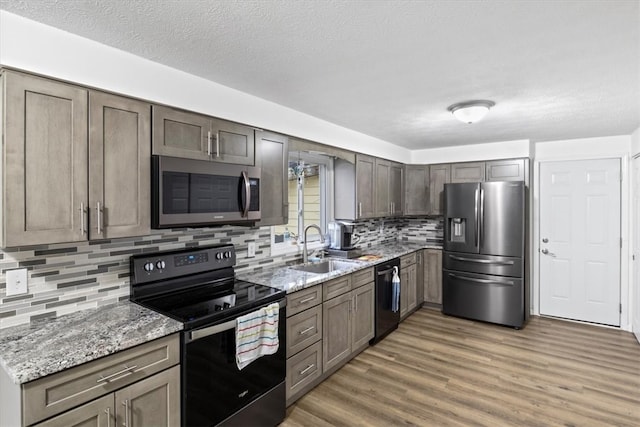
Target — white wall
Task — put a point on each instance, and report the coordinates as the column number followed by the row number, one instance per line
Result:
column 635, row 142
column 580, row 149
column 35, row 47
column 463, row 153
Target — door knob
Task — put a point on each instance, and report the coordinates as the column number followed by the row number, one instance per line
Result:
column 545, row 251
column 545, row 240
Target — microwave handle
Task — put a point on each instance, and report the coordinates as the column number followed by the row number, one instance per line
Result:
column 247, row 194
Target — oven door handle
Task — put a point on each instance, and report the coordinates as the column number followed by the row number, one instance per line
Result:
column 222, row 327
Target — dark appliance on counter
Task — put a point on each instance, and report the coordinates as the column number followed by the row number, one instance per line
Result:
column 387, row 314
column 190, row 193
column 484, row 252
column 342, row 239
column 197, row 287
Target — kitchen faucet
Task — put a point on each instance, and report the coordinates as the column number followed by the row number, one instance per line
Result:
column 305, row 255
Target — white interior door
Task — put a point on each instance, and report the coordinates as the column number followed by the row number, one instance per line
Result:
column 580, row 240
column 636, row 248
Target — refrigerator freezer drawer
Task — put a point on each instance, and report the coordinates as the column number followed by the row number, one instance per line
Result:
column 483, row 264
column 482, row 297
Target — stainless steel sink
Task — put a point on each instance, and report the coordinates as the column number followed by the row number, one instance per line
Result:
column 326, row 266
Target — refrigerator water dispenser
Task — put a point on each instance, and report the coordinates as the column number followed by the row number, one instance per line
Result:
column 457, row 227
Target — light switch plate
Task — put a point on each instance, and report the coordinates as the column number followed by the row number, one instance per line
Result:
column 17, row 282
column 251, row 249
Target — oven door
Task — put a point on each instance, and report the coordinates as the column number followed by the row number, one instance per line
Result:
column 187, row 192
column 215, row 389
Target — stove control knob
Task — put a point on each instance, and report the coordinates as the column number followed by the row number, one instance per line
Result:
column 226, row 305
column 160, row 265
column 148, row 266
column 219, row 255
column 227, row 254
column 218, row 307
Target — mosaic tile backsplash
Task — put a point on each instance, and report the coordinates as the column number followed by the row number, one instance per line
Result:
column 64, row 278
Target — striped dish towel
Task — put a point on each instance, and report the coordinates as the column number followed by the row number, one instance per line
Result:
column 257, row 334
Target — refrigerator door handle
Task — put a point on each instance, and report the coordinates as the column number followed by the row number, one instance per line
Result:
column 483, row 281
column 481, row 222
column 475, row 234
column 481, row 261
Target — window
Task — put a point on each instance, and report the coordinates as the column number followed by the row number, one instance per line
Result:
column 310, row 196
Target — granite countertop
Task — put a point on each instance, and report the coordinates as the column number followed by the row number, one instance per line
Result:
column 290, row 280
column 31, row 351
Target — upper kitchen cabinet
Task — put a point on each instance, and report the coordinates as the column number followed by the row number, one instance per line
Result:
column 467, row 172
column 272, row 158
column 184, row 134
column 388, row 188
column 508, row 170
column 75, row 164
column 354, row 196
column 439, row 175
column 396, row 188
column 119, row 166
column 416, row 190
column 44, row 161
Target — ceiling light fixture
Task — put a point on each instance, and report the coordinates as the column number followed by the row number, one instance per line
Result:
column 471, row 111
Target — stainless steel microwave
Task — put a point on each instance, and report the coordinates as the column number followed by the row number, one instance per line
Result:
column 192, row 193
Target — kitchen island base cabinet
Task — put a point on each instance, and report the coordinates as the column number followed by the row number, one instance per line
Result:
column 154, row 401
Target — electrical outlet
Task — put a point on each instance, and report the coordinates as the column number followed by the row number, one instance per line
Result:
column 17, row 282
column 251, row 249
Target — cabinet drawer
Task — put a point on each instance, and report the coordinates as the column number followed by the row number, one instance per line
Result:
column 301, row 300
column 407, row 260
column 303, row 369
column 304, row 329
column 336, row 287
column 362, row 277
column 58, row 392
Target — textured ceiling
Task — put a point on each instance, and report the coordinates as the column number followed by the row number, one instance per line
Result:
column 389, row 69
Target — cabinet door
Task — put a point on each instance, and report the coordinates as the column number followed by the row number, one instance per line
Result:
column 154, row 401
column 44, row 161
column 508, row 170
column 97, row 413
column 363, row 315
column 381, row 191
column 396, row 189
column 439, row 175
column 365, row 172
column 404, row 291
column 179, row 133
column 467, row 172
column 433, row 276
column 336, row 332
column 232, row 143
column 419, row 277
column 119, row 166
column 416, row 190
column 412, row 292
column 274, row 186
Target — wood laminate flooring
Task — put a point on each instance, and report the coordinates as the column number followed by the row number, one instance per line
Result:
column 437, row 370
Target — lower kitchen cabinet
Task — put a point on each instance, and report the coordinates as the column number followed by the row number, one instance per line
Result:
column 135, row 387
column 154, row 401
column 408, row 284
column 330, row 323
column 432, row 259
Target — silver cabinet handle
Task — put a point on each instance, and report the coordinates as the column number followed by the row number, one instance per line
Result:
column 126, row 412
column 108, row 412
column 302, row 301
column 247, row 193
column 209, row 143
column 307, row 369
column 128, row 370
column 359, row 209
column 306, row 331
column 356, row 302
column 218, row 144
column 99, row 215
column 82, row 212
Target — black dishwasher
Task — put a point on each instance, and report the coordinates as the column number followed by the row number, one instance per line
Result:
column 387, row 313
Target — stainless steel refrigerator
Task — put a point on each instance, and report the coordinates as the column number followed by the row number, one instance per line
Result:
column 483, row 267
